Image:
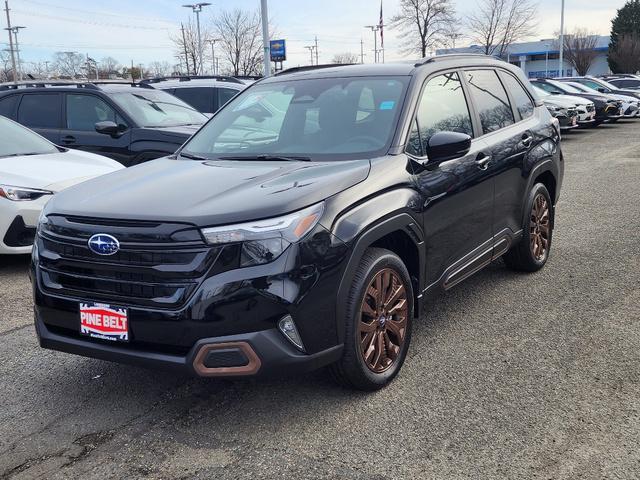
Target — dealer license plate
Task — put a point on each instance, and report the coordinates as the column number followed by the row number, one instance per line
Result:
column 99, row 320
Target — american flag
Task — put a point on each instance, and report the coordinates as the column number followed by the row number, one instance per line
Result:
column 381, row 27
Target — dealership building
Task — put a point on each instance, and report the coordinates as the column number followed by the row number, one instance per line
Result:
column 541, row 58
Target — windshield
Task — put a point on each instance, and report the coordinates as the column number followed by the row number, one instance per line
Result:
column 607, row 84
column 583, row 88
column 18, row 140
column 352, row 117
column 154, row 108
column 565, row 87
column 541, row 92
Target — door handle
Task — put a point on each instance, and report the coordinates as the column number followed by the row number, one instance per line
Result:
column 482, row 161
column 527, row 140
column 68, row 139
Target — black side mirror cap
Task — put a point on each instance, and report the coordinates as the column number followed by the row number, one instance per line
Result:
column 443, row 146
column 109, row 128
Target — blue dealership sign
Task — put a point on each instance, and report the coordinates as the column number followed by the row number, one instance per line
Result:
column 278, row 50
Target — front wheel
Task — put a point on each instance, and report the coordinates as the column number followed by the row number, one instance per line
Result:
column 378, row 322
column 532, row 252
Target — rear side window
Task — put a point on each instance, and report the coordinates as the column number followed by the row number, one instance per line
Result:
column 84, row 111
column 443, row 107
column 40, row 110
column 200, row 98
column 8, row 106
column 490, row 99
column 626, row 83
column 224, row 95
column 521, row 98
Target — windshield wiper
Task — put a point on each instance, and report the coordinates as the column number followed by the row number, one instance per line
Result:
column 269, row 158
column 191, row 156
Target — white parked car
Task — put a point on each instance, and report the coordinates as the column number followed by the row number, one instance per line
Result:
column 585, row 109
column 32, row 169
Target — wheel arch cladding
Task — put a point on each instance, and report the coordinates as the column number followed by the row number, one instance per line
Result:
column 399, row 234
column 548, row 180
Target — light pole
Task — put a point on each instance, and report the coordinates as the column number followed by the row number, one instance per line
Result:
column 374, row 29
column 15, row 31
column 546, row 61
column 265, row 37
column 561, row 60
column 197, row 8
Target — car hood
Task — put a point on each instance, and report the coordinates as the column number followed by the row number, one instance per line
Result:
column 54, row 171
column 560, row 102
column 177, row 134
column 209, row 192
column 570, row 100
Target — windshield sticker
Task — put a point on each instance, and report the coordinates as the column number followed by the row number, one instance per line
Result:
column 388, row 105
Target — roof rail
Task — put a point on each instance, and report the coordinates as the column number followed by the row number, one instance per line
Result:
column 446, row 56
column 126, row 83
column 304, row 68
column 187, row 78
column 44, row 83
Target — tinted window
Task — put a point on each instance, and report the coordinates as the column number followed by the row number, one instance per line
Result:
column 8, row 105
column 443, row 107
column 84, row 111
column 224, row 95
column 200, row 98
column 40, row 110
column 490, row 99
column 155, row 108
column 323, row 118
column 523, row 102
column 18, row 140
column 620, row 83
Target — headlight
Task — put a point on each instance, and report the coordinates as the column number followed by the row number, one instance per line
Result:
column 21, row 194
column 264, row 240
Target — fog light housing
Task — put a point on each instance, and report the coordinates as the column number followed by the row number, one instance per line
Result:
column 288, row 328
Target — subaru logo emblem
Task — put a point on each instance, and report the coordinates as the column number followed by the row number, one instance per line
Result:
column 103, row 244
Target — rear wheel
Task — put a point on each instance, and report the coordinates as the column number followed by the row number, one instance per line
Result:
column 377, row 323
column 532, row 252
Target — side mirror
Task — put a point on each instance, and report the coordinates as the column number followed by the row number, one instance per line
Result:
column 602, row 90
column 109, row 128
column 443, row 146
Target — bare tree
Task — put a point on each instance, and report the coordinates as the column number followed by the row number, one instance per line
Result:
column 496, row 24
column 346, row 58
column 239, row 41
column 187, row 48
column 37, row 69
column 160, row 69
column 6, row 69
column 108, row 66
column 69, row 64
column 579, row 50
column 424, row 24
column 626, row 53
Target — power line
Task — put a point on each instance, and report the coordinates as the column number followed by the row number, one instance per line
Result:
column 93, row 12
column 86, row 22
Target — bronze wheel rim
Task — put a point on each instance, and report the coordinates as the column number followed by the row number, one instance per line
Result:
column 540, row 228
column 382, row 325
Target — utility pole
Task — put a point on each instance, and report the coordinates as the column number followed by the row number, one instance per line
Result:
column 184, row 43
column 374, row 29
column 561, row 60
column 197, row 8
column 265, row 37
column 213, row 55
column 317, row 63
column 15, row 33
column 8, row 29
column 132, row 79
column 361, row 50
column 311, row 48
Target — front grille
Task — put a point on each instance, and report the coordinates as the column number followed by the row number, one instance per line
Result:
column 591, row 108
column 158, row 265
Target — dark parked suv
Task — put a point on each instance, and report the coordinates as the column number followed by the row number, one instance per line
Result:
column 305, row 224
column 129, row 123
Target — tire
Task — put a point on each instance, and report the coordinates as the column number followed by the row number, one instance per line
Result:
column 531, row 253
column 385, row 330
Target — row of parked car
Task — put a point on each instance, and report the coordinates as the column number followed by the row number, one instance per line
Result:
column 589, row 101
column 80, row 130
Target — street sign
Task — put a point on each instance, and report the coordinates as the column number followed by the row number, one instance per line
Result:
column 278, row 50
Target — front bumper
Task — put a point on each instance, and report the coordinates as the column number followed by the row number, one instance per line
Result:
column 271, row 354
column 18, row 221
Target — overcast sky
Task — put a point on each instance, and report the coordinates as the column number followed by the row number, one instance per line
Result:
column 139, row 30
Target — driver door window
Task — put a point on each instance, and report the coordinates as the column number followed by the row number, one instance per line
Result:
column 84, row 111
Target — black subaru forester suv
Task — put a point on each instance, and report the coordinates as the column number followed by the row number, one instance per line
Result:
column 305, row 224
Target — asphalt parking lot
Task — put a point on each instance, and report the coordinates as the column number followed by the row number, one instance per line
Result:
column 508, row 376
